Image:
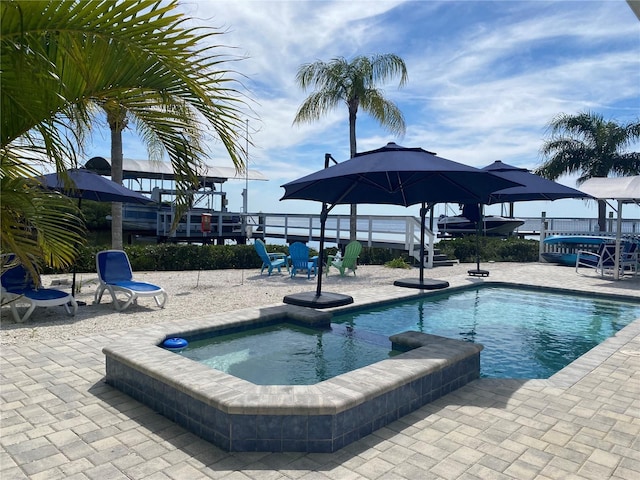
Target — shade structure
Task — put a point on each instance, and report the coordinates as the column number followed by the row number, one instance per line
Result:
column 534, row 187
column 86, row 185
column 391, row 175
column 395, row 175
column 622, row 189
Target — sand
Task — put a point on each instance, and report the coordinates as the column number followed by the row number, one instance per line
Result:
column 190, row 293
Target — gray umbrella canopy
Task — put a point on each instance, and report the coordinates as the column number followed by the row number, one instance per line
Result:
column 391, row 175
column 396, row 175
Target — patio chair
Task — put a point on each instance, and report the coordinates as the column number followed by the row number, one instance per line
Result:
column 115, row 276
column 349, row 261
column 603, row 261
column 18, row 285
column 629, row 258
column 270, row 260
column 300, row 261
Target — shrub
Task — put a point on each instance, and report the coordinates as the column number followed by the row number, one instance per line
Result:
column 176, row 257
column 397, row 263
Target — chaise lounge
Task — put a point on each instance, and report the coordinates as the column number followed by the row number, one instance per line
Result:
column 18, row 285
column 115, row 276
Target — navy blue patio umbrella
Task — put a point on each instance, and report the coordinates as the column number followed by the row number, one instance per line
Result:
column 532, row 188
column 391, row 175
column 86, row 185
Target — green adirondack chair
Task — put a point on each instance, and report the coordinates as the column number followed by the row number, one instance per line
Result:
column 349, row 261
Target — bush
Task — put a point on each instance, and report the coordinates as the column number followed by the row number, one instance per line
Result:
column 176, row 257
column 397, row 263
column 510, row 249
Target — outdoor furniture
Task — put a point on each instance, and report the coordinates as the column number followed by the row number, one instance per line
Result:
column 604, row 260
column 115, row 275
column 270, row 260
column 629, row 258
column 300, row 261
column 348, row 262
column 19, row 285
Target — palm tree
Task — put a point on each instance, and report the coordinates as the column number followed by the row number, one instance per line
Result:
column 354, row 83
column 592, row 147
column 65, row 62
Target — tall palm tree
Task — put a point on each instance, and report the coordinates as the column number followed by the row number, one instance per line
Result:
column 592, row 147
column 65, row 62
column 356, row 84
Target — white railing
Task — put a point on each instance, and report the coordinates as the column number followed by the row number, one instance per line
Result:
column 401, row 232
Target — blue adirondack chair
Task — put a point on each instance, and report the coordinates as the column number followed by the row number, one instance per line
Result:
column 300, row 261
column 269, row 260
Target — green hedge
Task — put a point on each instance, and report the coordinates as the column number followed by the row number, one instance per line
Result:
column 173, row 257
column 511, row 249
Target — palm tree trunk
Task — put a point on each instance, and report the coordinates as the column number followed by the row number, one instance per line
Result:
column 602, row 215
column 117, row 122
column 353, row 213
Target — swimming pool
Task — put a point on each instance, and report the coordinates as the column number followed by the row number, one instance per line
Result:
column 526, row 333
column 237, row 415
column 289, row 354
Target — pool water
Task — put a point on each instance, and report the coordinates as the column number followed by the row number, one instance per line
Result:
column 288, row 354
column 526, row 333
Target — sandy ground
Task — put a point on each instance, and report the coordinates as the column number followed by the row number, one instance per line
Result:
column 194, row 293
column 190, row 293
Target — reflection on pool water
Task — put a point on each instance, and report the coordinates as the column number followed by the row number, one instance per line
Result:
column 526, row 333
column 288, row 354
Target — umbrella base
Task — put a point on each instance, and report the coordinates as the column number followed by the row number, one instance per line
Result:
column 325, row 300
column 426, row 284
column 478, row 273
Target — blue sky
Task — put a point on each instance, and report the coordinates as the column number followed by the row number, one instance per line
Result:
column 485, row 79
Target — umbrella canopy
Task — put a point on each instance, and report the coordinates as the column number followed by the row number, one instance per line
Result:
column 534, row 187
column 396, row 175
column 86, row 185
column 391, row 175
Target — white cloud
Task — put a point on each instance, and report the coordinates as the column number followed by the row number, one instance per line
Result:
column 485, row 78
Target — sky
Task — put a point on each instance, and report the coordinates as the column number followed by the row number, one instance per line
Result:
column 485, row 78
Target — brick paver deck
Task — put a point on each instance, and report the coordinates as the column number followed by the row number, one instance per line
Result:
column 61, row 421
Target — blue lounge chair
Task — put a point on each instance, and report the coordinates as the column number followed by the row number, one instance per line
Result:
column 269, row 260
column 349, row 261
column 19, row 285
column 115, row 275
column 300, row 261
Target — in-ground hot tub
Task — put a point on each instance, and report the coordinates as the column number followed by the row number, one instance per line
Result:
column 237, row 415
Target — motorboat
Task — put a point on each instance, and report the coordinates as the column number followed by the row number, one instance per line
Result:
column 492, row 225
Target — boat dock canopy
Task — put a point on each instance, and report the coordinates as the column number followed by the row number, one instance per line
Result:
column 160, row 170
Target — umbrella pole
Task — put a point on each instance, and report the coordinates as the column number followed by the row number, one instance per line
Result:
column 477, row 272
column 421, row 283
column 323, row 221
column 423, row 214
